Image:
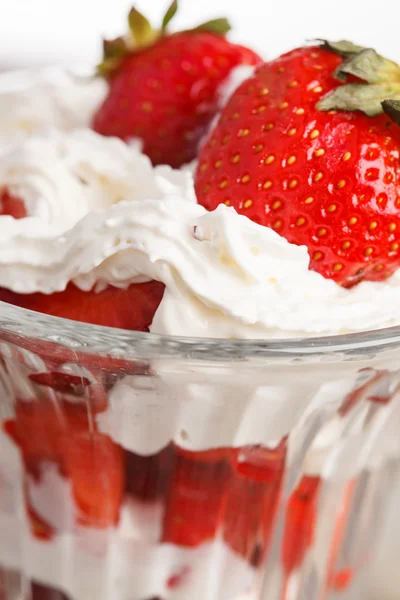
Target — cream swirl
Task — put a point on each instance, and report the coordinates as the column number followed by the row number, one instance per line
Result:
column 39, row 100
column 225, row 276
column 63, row 176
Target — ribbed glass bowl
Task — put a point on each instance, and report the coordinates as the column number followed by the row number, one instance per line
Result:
column 140, row 467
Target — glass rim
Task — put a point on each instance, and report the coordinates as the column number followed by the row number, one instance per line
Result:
column 96, row 339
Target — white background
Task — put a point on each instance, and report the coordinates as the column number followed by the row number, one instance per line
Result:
column 68, row 31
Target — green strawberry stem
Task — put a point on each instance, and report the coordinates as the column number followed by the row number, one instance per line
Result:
column 343, row 48
column 141, row 34
column 380, row 80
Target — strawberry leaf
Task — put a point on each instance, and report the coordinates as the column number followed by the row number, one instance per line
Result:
column 343, row 48
column 140, row 28
column 114, row 48
column 392, row 109
column 218, row 26
column 113, row 52
column 357, row 96
column 169, row 15
column 371, row 67
column 382, row 81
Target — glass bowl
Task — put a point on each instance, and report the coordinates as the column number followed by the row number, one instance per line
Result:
column 141, row 467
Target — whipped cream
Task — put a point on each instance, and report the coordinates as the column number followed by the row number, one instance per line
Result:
column 236, row 77
column 39, row 100
column 100, row 214
column 63, row 176
column 225, row 276
column 145, row 414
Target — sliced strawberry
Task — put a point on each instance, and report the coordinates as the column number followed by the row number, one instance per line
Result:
column 194, row 501
column 63, row 433
column 340, row 577
column 205, row 456
column 259, row 463
column 147, row 477
column 252, row 500
column 95, row 466
column 132, row 308
column 38, row 429
column 300, row 522
column 11, row 205
column 44, row 592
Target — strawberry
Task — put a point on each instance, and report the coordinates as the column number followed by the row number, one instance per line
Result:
column 39, row 428
column 194, row 500
column 132, row 308
column 302, row 151
column 63, row 433
column 11, row 205
column 211, row 456
column 147, row 477
column 164, row 89
column 301, row 513
column 252, row 500
column 249, row 517
column 39, row 591
column 94, row 463
column 259, row 463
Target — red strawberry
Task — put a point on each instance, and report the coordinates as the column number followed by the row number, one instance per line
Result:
column 39, row 428
column 64, row 434
column 133, row 308
column 301, row 512
column 43, row 592
column 147, row 477
column 340, row 577
column 259, row 463
column 10, row 205
column 94, row 463
column 164, row 88
column 211, row 456
column 252, row 500
column 249, row 517
column 286, row 154
column 194, row 501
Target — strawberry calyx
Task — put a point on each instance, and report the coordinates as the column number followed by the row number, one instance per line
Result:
column 141, row 34
column 377, row 80
column 392, row 109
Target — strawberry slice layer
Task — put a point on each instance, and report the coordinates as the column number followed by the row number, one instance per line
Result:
column 252, row 500
column 205, row 456
column 132, row 308
column 147, row 477
column 194, row 500
column 44, row 592
column 95, row 466
column 64, row 434
column 300, row 522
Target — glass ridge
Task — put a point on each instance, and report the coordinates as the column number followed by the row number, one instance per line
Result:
column 96, row 338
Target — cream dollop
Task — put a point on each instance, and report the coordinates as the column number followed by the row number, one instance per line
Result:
column 225, row 276
column 63, row 176
column 39, row 100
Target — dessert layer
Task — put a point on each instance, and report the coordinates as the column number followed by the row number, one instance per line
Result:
column 123, row 221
